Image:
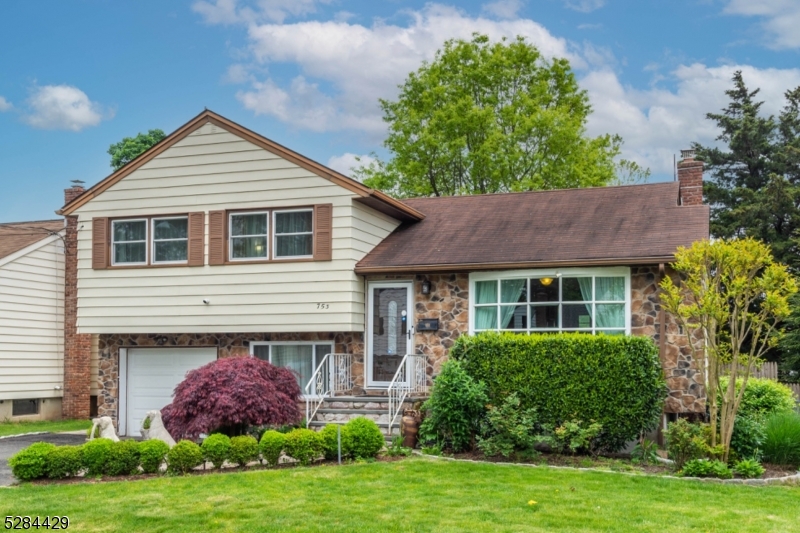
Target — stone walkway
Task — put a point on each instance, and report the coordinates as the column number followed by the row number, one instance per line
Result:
column 11, row 445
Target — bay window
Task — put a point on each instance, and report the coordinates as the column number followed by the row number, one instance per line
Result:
column 588, row 300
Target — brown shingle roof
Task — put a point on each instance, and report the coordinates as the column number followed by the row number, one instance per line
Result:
column 610, row 225
column 17, row 235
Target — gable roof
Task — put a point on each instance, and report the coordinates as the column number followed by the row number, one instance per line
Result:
column 375, row 199
column 18, row 235
column 635, row 224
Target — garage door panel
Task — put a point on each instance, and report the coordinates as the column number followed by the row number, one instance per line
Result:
column 153, row 374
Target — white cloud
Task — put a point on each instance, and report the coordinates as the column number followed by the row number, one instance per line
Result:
column 5, row 105
column 234, row 12
column 237, row 74
column 656, row 123
column 503, row 9
column 362, row 64
column 782, row 19
column 63, row 107
column 584, row 6
column 346, row 162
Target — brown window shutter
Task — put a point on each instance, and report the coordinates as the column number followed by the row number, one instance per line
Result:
column 100, row 243
column 197, row 237
column 323, row 232
column 216, row 238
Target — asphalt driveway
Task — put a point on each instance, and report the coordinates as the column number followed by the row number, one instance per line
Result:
column 11, row 445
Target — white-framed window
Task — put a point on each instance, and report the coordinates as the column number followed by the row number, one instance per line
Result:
column 249, row 233
column 170, row 240
column 302, row 357
column 536, row 301
column 294, row 233
column 129, row 242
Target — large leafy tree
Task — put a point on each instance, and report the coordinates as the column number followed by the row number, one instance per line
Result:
column 753, row 180
column 753, row 186
column 487, row 117
column 130, row 148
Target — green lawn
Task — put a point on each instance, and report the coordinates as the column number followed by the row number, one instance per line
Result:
column 17, row 428
column 413, row 495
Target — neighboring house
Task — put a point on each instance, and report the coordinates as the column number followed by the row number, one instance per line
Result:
column 218, row 242
column 31, row 319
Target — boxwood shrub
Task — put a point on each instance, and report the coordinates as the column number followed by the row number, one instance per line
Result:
column 304, row 445
column 151, row 455
column 216, row 449
column 244, row 449
column 63, row 461
column 183, row 457
column 616, row 381
column 123, row 459
column 271, row 445
column 95, row 455
column 31, row 462
column 362, row 438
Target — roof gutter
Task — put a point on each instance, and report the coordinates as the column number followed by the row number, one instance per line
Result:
column 471, row 267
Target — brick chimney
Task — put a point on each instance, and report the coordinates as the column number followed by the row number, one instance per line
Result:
column 690, row 176
column 77, row 348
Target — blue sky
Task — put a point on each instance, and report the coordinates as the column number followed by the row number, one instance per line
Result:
column 78, row 75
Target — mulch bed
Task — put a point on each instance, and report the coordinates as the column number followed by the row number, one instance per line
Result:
column 618, row 463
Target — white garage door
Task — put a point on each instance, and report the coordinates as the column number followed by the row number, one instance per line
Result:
column 153, row 374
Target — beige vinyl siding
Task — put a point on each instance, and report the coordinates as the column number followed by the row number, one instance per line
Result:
column 210, row 170
column 32, row 322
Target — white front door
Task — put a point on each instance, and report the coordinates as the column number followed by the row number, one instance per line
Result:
column 153, row 374
column 390, row 319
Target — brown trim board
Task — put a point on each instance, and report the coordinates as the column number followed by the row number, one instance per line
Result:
column 379, row 200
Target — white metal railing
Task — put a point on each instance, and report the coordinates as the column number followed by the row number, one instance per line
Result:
column 411, row 378
column 333, row 375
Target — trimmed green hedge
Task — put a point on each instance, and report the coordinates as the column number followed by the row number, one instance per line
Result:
column 614, row 380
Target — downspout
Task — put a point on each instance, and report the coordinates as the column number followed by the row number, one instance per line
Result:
column 662, row 326
column 662, row 344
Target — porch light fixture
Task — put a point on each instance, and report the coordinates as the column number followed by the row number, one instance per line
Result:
column 546, row 281
column 161, row 341
column 426, row 287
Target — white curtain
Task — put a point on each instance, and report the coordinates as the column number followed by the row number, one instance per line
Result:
column 510, row 291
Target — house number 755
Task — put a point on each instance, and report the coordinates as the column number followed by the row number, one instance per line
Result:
column 323, row 306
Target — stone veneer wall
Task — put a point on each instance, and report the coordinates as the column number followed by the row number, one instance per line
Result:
column 686, row 391
column 228, row 345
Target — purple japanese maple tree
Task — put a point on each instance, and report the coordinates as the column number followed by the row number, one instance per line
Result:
column 230, row 394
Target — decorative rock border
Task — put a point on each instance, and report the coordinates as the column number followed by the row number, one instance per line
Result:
column 786, row 480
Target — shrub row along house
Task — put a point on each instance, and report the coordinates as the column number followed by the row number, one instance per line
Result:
column 218, row 242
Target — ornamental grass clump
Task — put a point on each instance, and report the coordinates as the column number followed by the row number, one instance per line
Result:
column 231, row 394
column 152, row 454
column 31, row 462
column 216, row 449
column 183, row 457
column 244, row 450
column 272, row 445
column 782, row 439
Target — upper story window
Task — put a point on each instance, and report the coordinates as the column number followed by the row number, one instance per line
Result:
column 294, row 233
column 590, row 301
column 249, row 235
column 129, row 242
column 170, row 240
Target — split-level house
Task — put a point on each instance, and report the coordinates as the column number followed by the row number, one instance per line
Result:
column 219, row 242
